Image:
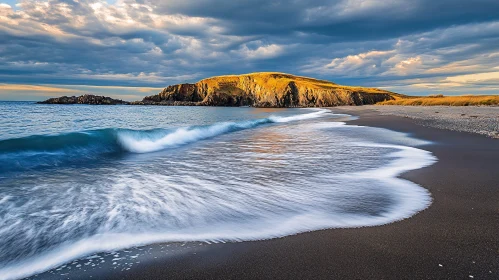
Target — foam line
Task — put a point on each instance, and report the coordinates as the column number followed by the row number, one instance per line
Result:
column 410, row 200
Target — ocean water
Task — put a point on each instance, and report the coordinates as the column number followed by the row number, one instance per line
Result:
column 77, row 180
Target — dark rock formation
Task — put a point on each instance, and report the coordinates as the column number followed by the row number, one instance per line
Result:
column 85, row 99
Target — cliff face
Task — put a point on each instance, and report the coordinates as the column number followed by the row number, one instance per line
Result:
column 267, row 90
column 84, row 99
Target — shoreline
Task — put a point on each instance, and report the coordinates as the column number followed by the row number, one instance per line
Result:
column 458, row 231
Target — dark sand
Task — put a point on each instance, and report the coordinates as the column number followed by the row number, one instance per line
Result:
column 457, row 237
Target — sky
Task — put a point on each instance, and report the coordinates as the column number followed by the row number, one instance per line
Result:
column 128, row 49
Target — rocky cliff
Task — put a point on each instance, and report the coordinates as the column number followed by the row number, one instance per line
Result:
column 266, row 90
column 84, row 99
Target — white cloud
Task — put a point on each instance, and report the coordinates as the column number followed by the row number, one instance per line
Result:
column 409, row 65
column 474, row 78
column 262, row 52
column 361, row 59
column 36, row 88
column 142, row 77
column 479, row 83
column 361, row 64
column 370, row 9
column 355, row 7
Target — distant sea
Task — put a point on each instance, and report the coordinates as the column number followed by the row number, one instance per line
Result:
column 76, row 180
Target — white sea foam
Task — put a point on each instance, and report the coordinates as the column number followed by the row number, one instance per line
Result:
column 180, row 136
column 281, row 181
column 313, row 115
column 136, row 143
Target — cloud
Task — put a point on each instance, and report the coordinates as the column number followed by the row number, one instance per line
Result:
column 475, row 78
column 405, row 66
column 152, row 43
column 359, row 64
column 4, row 6
column 42, row 92
column 261, row 52
column 482, row 83
column 45, row 89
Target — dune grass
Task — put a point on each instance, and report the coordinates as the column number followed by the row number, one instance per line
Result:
column 440, row 100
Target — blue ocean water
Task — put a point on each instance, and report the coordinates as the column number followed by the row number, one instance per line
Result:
column 77, row 179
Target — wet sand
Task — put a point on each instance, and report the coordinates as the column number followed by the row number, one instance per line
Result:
column 457, row 237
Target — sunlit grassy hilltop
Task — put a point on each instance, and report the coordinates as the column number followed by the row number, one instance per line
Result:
column 269, row 89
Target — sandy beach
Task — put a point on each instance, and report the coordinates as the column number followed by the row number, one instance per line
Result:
column 215, row 139
column 455, row 238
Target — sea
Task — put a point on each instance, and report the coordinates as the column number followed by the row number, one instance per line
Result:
column 79, row 180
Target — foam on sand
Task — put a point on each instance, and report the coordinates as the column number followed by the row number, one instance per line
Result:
column 267, row 183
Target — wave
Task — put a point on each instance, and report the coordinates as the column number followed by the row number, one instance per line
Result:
column 408, row 198
column 54, row 150
column 140, row 143
column 41, row 151
column 284, row 180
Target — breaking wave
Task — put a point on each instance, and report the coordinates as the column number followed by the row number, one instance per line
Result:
column 55, row 150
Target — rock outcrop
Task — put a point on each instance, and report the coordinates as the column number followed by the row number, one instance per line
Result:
column 85, row 99
column 266, row 90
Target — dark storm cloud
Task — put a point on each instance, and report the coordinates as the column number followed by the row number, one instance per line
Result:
column 413, row 46
column 345, row 20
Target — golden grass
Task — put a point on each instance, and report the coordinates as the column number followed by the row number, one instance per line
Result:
column 279, row 81
column 464, row 100
column 271, row 80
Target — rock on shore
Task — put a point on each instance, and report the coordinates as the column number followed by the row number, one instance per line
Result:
column 266, row 90
column 85, row 99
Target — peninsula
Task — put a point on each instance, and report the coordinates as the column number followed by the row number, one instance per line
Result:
column 268, row 89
